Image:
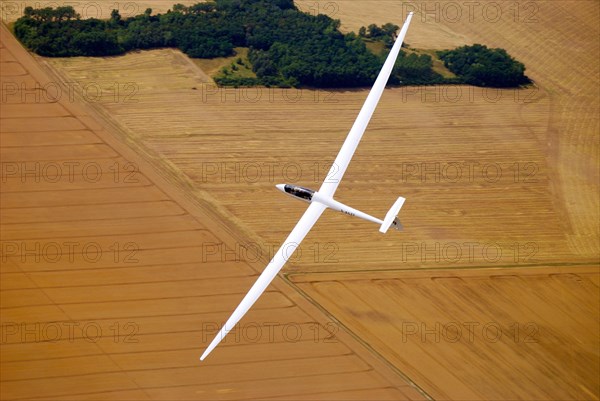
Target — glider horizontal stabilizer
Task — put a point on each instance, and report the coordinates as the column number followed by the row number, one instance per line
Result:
column 391, row 218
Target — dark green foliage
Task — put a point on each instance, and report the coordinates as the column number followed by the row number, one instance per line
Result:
column 197, row 30
column 415, row 69
column 321, row 62
column 287, row 47
column 61, row 33
column 478, row 65
column 115, row 16
column 386, row 33
column 374, row 31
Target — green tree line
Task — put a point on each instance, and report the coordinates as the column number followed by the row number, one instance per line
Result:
column 286, row 46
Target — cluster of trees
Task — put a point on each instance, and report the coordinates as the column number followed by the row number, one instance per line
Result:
column 480, row 66
column 386, row 33
column 416, row 69
column 59, row 14
column 287, row 47
column 60, row 32
column 374, row 31
column 321, row 62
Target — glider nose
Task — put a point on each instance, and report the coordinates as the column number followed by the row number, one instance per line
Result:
column 281, row 187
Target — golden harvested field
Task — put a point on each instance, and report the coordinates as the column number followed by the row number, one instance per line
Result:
column 502, row 213
column 499, row 334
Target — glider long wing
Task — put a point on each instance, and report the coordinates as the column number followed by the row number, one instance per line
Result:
column 342, row 160
column 314, row 211
column 307, row 221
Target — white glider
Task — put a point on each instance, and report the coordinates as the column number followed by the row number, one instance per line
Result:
column 323, row 199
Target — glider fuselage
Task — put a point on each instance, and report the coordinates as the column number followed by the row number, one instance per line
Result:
column 309, row 195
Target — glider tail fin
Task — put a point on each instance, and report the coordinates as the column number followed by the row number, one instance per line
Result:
column 391, row 218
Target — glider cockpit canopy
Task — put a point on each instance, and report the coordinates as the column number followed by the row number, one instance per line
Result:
column 299, row 192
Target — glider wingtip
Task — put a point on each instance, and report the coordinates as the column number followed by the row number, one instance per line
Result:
column 204, row 355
